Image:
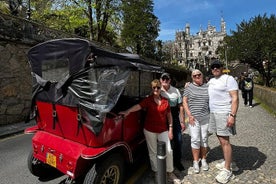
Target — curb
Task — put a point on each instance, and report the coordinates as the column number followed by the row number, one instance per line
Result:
column 15, row 128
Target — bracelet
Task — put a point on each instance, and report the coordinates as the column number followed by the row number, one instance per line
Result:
column 170, row 125
column 233, row 115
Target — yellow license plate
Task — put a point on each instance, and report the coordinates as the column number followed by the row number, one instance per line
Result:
column 51, row 160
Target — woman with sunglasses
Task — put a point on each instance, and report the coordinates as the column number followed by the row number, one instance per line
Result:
column 155, row 127
column 196, row 105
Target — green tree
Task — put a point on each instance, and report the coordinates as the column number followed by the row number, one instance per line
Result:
column 128, row 23
column 59, row 14
column 254, row 42
column 140, row 27
column 94, row 19
column 167, row 48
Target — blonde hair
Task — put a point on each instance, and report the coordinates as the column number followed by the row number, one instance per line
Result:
column 155, row 83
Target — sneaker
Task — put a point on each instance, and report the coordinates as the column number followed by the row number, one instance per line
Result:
column 196, row 167
column 233, row 166
column 204, row 165
column 224, row 176
column 172, row 177
column 250, row 106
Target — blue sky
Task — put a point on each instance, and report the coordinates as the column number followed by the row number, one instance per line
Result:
column 174, row 14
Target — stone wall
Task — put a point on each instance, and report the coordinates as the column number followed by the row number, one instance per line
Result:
column 15, row 82
column 266, row 95
column 17, row 36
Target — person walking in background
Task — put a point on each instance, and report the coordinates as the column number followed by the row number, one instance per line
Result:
column 247, row 86
column 223, row 104
column 196, row 105
column 175, row 100
column 155, row 127
column 241, row 85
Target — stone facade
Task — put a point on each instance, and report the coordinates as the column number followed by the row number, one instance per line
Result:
column 197, row 51
column 15, row 85
column 17, row 35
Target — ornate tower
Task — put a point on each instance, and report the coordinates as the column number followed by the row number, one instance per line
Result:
column 222, row 25
column 187, row 29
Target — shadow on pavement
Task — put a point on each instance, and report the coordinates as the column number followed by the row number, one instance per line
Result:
column 51, row 174
column 186, row 147
column 256, row 104
column 246, row 158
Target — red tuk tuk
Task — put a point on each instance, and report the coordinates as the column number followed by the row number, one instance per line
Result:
column 78, row 90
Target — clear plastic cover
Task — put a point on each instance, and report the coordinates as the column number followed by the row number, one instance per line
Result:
column 76, row 73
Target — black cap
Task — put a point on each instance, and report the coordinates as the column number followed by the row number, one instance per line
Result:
column 165, row 75
column 216, row 64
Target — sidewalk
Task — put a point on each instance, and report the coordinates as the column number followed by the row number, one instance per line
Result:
column 254, row 151
column 8, row 130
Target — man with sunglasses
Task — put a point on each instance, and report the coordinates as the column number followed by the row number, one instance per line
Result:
column 223, row 103
column 175, row 100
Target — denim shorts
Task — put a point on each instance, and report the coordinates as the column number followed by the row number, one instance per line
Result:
column 218, row 122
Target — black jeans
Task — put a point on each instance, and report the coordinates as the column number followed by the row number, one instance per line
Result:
column 177, row 136
column 248, row 97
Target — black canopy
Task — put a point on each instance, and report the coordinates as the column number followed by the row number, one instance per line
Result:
column 75, row 72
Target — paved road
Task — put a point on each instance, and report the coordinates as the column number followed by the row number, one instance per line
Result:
column 14, row 151
column 254, row 149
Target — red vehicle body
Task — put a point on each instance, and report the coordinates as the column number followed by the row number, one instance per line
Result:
column 78, row 90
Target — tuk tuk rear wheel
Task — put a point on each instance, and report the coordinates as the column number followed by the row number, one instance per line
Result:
column 36, row 167
column 110, row 171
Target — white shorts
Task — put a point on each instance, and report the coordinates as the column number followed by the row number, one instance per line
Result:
column 199, row 132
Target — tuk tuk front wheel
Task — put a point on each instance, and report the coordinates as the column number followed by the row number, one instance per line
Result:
column 110, row 171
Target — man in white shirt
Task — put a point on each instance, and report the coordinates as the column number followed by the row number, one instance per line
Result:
column 223, row 103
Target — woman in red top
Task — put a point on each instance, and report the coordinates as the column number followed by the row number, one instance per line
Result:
column 156, row 128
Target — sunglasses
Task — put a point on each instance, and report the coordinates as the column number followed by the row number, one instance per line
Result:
column 197, row 75
column 156, row 87
column 215, row 66
column 165, row 78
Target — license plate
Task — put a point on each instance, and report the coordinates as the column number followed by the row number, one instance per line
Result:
column 51, row 160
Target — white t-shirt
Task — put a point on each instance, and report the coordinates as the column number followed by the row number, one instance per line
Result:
column 173, row 95
column 219, row 97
